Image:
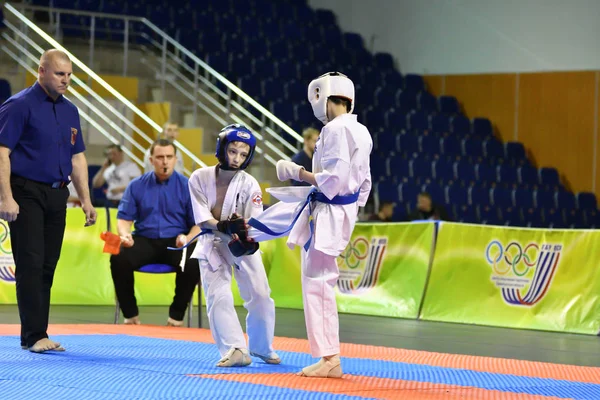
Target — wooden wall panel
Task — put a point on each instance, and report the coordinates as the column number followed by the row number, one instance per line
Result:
column 490, row 95
column 556, row 123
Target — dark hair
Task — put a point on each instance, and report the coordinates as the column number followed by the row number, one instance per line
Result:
column 341, row 101
column 114, row 146
column 162, row 143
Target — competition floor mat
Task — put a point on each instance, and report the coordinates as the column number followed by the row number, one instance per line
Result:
column 148, row 362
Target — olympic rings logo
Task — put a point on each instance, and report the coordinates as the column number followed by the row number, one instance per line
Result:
column 511, row 257
column 355, row 252
column 4, row 239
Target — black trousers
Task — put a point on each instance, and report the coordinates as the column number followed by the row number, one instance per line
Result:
column 153, row 251
column 36, row 236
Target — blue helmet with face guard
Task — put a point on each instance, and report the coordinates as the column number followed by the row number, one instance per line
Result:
column 234, row 133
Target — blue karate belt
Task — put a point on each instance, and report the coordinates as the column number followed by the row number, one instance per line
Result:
column 202, row 232
column 314, row 195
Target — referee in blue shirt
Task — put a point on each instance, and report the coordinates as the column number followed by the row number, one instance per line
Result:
column 40, row 148
column 159, row 204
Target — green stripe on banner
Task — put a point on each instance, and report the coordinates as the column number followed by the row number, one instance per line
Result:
column 515, row 277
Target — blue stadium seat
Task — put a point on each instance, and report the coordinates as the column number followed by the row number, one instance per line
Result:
column 460, row 125
column 409, row 143
column 451, row 146
column 482, row 127
column 379, row 167
column 430, row 144
column 512, row 216
column 384, row 61
column 515, row 151
column 386, row 142
column 385, row 97
column 586, row 201
column 472, row 147
column 439, row 123
column 486, row 173
column 443, row 171
column 528, row 175
column 479, row 195
column 286, row 70
column 493, row 149
column 534, row 218
column 421, row 168
column 418, row 120
column 396, row 120
column 250, row 85
column 554, row 218
column 592, row 218
column 352, row 40
column 508, row 174
column 414, row 83
column 326, row 17
column 466, row 214
column 427, row 102
column 448, row 105
column 399, row 166
column 437, row 193
column 523, row 198
column 393, row 79
column 576, row 219
column 283, row 110
column 465, row 171
column 545, row 199
column 457, row 195
column 565, row 200
column 489, row 215
column 406, row 100
column 501, row 197
column 549, row 176
column 374, row 118
column 409, row 192
column 387, row 190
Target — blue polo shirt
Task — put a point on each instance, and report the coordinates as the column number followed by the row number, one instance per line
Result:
column 159, row 210
column 42, row 134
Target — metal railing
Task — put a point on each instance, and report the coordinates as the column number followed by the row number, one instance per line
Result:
column 175, row 66
column 23, row 39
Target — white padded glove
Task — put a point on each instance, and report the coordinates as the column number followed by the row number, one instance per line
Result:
column 287, row 170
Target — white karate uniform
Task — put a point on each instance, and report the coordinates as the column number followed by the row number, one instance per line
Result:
column 148, row 167
column 243, row 197
column 341, row 167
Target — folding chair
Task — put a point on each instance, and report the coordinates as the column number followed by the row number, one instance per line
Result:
column 161, row 269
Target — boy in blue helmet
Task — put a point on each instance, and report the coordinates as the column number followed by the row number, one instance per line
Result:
column 222, row 197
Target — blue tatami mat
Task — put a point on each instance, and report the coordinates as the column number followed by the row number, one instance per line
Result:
column 123, row 366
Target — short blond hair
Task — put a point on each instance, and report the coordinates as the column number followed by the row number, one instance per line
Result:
column 309, row 132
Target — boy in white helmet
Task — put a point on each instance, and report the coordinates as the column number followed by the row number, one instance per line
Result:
column 222, row 196
column 341, row 182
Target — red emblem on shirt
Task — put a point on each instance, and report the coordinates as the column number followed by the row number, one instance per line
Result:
column 257, row 199
column 73, row 136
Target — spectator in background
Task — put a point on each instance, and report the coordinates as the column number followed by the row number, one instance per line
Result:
column 386, row 211
column 116, row 172
column 304, row 157
column 171, row 133
column 426, row 209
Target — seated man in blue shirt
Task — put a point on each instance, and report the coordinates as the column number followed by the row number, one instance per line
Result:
column 159, row 204
column 304, row 156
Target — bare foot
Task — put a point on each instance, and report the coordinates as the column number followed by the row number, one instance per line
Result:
column 174, row 322
column 46, row 344
column 235, row 358
column 271, row 359
column 132, row 321
column 327, row 367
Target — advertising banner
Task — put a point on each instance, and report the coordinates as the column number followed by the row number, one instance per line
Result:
column 515, row 277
